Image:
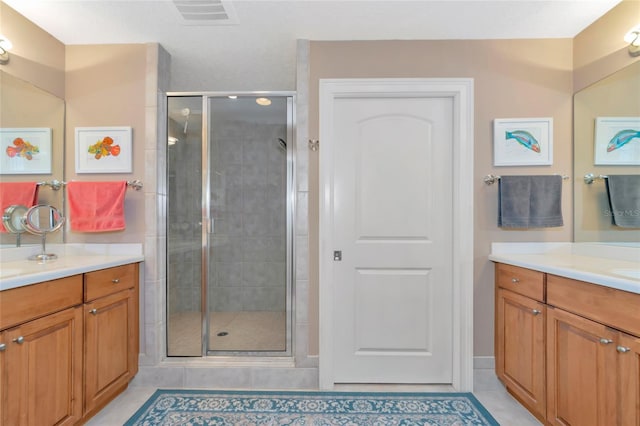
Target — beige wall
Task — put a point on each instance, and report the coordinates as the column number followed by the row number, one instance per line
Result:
column 513, row 79
column 102, row 86
column 36, row 56
column 105, row 86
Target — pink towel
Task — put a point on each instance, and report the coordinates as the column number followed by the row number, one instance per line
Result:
column 96, row 206
column 20, row 193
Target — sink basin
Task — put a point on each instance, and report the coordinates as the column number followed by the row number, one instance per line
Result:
column 629, row 273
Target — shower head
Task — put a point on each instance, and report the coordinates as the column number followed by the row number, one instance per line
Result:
column 282, row 143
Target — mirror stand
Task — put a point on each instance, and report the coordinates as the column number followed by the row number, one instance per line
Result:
column 44, row 256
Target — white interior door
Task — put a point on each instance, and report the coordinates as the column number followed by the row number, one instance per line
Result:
column 388, row 203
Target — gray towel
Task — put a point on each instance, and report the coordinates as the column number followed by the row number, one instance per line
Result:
column 624, row 200
column 530, row 201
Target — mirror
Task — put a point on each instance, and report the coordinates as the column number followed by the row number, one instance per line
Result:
column 12, row 221
column 41, row 220
column 22, row 105
column 613, row 96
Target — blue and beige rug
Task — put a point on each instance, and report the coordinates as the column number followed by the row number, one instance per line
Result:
column 244, row 408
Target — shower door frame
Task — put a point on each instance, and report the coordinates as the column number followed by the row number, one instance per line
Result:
column 207, row 223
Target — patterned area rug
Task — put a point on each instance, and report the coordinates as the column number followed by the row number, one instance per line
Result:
column 244, row 408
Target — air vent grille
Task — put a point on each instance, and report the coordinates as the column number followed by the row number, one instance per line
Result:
column 205, row 12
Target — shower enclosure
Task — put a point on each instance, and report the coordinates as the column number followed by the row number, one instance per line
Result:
column 229, row 215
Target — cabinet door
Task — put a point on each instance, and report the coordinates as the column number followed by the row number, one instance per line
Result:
column 581, row 371
column 520, row 355
column 110, row 326
column 42, row 366
column 628, row 349
column 7, row 399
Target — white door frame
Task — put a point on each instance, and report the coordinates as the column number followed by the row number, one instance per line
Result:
column 460, row 90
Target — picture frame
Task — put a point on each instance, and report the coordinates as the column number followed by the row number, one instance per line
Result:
column 523, row 141
column 104, row 150
column 617, row 141
column 26, row 150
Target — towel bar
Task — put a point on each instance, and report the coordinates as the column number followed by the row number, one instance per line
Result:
column 56, row 184
column 491, row 179
column 590, row 177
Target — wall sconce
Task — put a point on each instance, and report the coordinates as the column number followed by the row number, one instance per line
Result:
column 633, row 38
column 5, row 46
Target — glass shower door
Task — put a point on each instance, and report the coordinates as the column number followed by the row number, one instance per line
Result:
column 249, row 284
column 184, row 227
column 229, row 235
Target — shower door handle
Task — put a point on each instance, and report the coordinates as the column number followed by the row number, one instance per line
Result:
column 337, row 255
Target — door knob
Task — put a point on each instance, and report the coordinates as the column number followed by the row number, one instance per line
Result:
column 2, row 347
column 536, row 312
column 605, row 341
column 94, row 311
column 622, row 349
column 515, row 280
column 19, row 340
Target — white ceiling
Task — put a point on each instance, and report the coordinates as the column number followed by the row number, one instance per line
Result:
column 258, row 52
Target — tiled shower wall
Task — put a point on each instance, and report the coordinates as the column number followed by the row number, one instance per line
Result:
column 248, row 206
column 184, row 180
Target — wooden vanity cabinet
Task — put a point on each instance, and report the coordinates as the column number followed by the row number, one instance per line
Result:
column 589, row 370
column 67, row 346
column 111, row 334
column 41, row 360
column 592, row 343
column 520, row 335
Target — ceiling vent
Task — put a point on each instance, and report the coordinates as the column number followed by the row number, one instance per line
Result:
column 206, row 12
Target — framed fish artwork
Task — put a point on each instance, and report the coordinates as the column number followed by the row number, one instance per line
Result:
column 617, row 141
column 523, row 141
column 104, row 150
column 25, row 151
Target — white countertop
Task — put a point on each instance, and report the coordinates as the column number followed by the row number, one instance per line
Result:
column 16, row 270
column 607, row 265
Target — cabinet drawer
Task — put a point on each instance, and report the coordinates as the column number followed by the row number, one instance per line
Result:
column 108, row 281
column 22, row 304
column 616, row 308
column 521, row 280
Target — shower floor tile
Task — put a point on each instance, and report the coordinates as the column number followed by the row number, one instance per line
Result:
column 245, row 331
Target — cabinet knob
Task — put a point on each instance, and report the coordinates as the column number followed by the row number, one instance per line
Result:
column 622, row 349
column 536, row 312
column 94, row 311
column 515, row 280
column 19, row 340
column 605, row 341
column 3, row 347
column 115, row 280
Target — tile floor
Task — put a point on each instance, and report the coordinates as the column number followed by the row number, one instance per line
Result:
column 506, row 410
column 246, row 331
